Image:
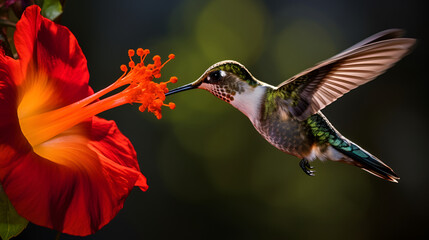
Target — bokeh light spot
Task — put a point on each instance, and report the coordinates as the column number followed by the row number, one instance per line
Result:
column 227, row 30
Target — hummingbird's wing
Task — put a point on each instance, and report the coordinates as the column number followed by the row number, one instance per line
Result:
column 317, row 87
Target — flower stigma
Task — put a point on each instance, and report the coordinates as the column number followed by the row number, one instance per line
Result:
column 140, row 88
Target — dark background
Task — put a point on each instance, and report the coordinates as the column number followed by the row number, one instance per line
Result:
column 210, row 174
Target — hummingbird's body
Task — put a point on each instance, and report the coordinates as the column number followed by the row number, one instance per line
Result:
column 258, row 102
column 288, row 116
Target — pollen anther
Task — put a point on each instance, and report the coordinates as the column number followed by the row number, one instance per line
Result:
column 131, row 52
column 124, row 68
column 140, row 52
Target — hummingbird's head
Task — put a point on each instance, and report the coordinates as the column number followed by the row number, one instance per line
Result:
column 224, row 80
column 233, row 83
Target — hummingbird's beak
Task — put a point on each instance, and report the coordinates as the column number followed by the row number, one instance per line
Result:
column 182, row 88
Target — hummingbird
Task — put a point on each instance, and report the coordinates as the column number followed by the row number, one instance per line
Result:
column 289, row 116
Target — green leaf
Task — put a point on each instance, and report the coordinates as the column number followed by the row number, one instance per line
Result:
column 11, row 224
column 51, row 8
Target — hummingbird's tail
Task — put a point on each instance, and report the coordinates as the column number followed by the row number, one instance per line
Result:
column 342, row 149
column 357, row 156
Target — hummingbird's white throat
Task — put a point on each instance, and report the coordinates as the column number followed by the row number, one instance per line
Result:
column 250, row 101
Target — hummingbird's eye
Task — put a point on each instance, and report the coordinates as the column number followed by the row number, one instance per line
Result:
column 214, row 76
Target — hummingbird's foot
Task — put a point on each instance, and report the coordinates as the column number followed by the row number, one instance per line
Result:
column 305, row 165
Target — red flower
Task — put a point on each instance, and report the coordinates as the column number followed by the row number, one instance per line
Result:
column 61, row 166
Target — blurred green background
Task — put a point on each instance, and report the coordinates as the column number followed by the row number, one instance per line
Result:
column 210, row 174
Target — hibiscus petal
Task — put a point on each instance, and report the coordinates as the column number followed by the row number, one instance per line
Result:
column 107, row 140
column 75, row 183
column 8, row 93
column 49, row 53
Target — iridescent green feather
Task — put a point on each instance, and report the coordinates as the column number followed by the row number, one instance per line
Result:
column 298, row 91
column 239, row 71
column 271, row 102
column 291, row 91
column 323, row 132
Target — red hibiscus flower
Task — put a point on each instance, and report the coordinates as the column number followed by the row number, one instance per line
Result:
column 61, row 166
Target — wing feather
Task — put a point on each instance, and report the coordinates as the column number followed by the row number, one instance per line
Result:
column 317, row 87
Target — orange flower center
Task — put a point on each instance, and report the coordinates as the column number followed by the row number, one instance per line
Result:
column 141, row 89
